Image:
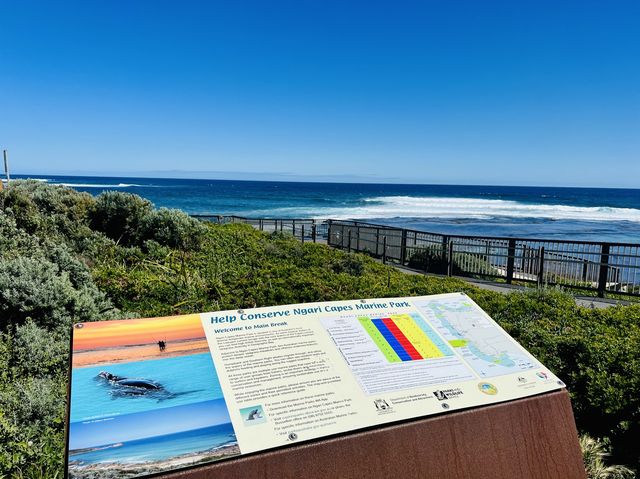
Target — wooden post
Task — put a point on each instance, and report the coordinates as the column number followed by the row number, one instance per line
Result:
column 357, row 238
column 313, row 231
column 6, row 166
column 349, row 241
column 377, row 241
column 450, row 259
column 302, row 234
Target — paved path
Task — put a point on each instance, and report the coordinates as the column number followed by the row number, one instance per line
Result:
column 586, row 301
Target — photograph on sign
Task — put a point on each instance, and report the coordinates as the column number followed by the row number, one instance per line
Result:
column 145, row 398
column 153, row 395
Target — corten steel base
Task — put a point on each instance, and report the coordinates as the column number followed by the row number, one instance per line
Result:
column 529, row 438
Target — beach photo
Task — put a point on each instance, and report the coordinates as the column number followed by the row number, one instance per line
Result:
column 108, row 342
column 122, row 367
column 139, row 444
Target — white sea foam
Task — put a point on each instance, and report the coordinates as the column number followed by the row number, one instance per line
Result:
column 454, row 208
column 97, row 185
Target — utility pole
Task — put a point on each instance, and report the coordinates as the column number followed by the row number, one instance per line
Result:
column 6, row 166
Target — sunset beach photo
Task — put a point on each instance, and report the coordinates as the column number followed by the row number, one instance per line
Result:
column 109, row 342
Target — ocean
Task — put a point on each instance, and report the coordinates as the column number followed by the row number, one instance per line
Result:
column 591, row 214
column 94, row 398
column 162, row 447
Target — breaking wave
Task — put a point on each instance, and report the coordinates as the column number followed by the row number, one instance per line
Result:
column 97, row 185
column 453, row 208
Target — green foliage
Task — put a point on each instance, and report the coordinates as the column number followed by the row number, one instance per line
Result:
column 172, row 228
column 594, row 453
column 39, row 290
column 67, row 257
column 119, row 215
column 32, row 401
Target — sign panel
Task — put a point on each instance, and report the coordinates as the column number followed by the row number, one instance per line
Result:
column 153, row 395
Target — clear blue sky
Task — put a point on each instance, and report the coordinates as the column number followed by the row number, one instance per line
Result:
column 513, row 92
column 152, row 423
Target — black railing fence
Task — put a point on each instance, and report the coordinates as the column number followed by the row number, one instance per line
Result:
column 303, row 229
column 592, row 266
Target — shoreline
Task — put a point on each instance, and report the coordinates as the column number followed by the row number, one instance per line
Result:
column 150, row 351
column 125, row 470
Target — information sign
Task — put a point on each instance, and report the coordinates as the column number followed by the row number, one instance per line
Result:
column 153, row 395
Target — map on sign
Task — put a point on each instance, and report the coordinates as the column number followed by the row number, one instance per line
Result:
column 153, row 395
column 476, row 337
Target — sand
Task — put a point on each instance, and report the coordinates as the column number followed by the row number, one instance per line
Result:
column 121, row 471
column 138, row 353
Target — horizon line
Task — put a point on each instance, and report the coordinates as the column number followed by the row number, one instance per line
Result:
column 292, row 178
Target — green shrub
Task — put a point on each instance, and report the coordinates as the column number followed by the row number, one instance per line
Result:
column 119, row 215
column 172, row 228
column 595, row 454
column 38, row 290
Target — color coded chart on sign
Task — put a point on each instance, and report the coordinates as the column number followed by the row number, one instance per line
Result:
column 405, row 337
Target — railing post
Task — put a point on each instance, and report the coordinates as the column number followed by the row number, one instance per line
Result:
column 384, row 250
column 426, row 262
column 349, row 241
column 281, row 226
column 403, row 247
column 585, row 270
column 377, row 241
column 604, row 269
column 357, row 238
column 302, row 234
column 261, row 225
column 329, row 232
column 541, row 266
column 450, row 258
column 511, row 257
column 313, row 231
column 293, row 226
column 445, row 249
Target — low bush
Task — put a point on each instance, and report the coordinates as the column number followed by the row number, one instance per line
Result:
column 119, row 215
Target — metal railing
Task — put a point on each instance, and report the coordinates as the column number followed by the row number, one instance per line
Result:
column 303, row 229
column 586, row 265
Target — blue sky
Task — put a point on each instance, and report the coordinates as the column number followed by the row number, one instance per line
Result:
column 515, row 93
column 158, row 422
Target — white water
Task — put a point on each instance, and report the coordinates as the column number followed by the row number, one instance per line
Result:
column 449, row 208
column 96, row 185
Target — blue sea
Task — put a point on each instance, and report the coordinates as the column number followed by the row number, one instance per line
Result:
column 185, row 380
column 596, row 214
column 161, row 447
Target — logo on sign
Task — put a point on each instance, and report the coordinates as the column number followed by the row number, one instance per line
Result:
column 488, row 388
column 381, row 405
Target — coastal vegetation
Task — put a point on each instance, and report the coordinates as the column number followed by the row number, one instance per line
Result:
column 68, row 257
